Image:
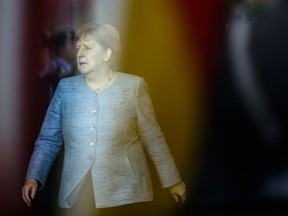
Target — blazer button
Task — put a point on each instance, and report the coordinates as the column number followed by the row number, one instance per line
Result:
column 93, row 127
column 91, row 143
column 94, row 112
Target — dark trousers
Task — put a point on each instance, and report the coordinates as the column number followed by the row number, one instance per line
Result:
column 135, row 209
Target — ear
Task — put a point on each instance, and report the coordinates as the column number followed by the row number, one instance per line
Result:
column 108, row 54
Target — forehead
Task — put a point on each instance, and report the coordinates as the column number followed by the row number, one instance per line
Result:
column 86, row 39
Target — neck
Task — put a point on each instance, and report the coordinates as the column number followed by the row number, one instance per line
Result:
column 97, row 78
column 100, row 80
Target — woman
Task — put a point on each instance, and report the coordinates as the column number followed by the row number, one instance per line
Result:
column 105, row 118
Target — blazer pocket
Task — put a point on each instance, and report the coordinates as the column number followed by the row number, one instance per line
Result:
column 119, row 168
column 131, row 165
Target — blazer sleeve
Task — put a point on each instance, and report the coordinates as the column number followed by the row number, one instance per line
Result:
column 153, row 138
column 48, row 143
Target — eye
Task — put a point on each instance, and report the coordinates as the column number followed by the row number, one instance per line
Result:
column 88, row 48
column 84, row 48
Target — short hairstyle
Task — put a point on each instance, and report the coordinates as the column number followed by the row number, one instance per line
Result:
column 106, row 35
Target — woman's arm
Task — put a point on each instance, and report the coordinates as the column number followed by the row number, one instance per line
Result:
column 47, row 147
column 156, row 146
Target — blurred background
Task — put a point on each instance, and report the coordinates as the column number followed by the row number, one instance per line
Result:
column 217, row 71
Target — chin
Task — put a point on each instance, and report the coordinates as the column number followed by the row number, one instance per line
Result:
column 83, row 71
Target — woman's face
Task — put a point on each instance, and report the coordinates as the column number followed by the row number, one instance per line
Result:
column 90, row 55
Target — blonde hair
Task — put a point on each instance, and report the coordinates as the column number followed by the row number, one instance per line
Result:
column 106, row 35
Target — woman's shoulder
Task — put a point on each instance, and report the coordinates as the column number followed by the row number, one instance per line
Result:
column 129, row 78
column 70, row 81
column 69, row 84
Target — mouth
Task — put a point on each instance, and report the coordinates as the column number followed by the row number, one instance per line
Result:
column 82, row 61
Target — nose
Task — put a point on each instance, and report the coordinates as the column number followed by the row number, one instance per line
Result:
column 80, row 52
